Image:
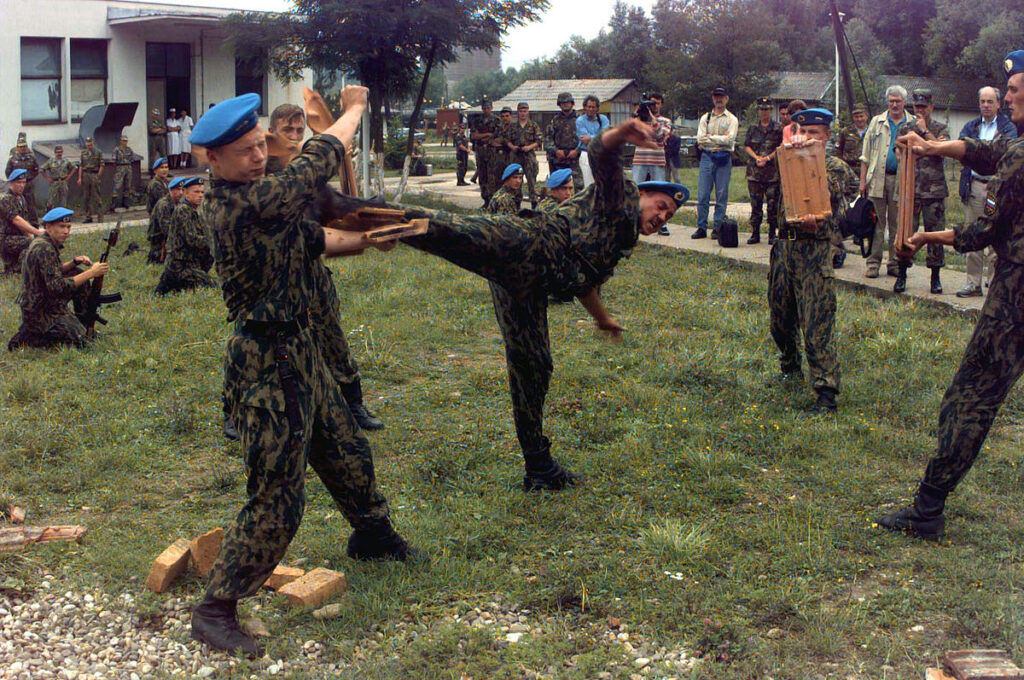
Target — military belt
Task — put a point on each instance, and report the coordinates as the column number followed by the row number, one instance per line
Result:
column 787, row 234
column 276, row 329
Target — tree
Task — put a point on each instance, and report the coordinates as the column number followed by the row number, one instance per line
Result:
column 969, row 40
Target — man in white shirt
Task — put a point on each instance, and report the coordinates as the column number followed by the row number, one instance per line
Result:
column 716, row 139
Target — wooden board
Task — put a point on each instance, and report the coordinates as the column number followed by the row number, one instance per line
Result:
column 804, row 182
column 906, row 177
column 15, row 538
column 981, row 664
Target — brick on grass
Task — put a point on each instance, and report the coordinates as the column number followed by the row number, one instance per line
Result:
column 283, row 575
column 168, row 566
column 314, row 588
column 204, row 550
column 936, row 674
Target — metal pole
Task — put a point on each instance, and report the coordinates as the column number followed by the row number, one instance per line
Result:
column 837, row 81
column 365, row 154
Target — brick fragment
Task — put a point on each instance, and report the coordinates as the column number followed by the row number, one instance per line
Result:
column 283, row 575
column 168, row 566
column 314, row 588
column 204, row 550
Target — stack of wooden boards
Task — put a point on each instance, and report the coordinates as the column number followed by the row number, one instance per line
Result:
column 804, row 183
column 906, row 177
column 976, row 664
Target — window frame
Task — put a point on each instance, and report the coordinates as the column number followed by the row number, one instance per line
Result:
column 71, row 72
column 59, row 120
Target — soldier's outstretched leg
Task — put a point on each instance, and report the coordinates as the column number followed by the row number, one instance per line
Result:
column 784, row 323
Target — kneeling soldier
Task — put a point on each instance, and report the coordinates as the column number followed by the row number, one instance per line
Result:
column 48, row 285
column 800, row 292
column 160, row 220
column 506, row 199
column 559, row 189
column 188, row 259
column 15, row 229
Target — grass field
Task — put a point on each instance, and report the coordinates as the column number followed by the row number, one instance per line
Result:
column 716, row 518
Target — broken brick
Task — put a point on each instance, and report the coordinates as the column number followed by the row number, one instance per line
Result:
column 314, row 588
column 168, row 566
column 282, row 576
column 204, row 550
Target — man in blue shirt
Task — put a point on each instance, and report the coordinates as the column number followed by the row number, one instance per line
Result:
column 587, row 127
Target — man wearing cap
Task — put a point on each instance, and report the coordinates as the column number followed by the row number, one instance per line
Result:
column 507, row 198
column 801, row 295
column 716, row 137
column 559, row 189
column 48, row 285
column 486, row 128
column 288, row 410
column 90, row 164
column 157, row 187
column 188, row 260
column 930, row 190
column 160, row 221
column 588, row 124
column 122, row 188
column 157, row 140
column 562, row 143
column 523, row 137
column 762, row 141
column 15, row 230
column 462, row 147
column 994, row 358
column 22, row 157
column 851, row 138
column 57, row 171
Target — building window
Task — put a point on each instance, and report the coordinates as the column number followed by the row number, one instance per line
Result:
column 40, row 80
column 88, row 76
column 250, row 77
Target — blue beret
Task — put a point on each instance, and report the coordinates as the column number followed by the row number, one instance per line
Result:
column 1014, row 63
column 57, row 214
column 189, row 181
column 227, row 121
column 16, row 174
column 813, row 117
column 159, row 161
column 679, row 193
column 511, row 170
column 176, row 181
column 559, row 177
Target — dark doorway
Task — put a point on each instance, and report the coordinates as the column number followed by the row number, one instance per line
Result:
column 168, row 76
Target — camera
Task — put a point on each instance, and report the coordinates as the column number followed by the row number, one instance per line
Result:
column 643, row 109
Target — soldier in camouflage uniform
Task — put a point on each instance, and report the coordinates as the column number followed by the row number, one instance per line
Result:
column 801, row 296
column 188, row 258
column 994, row 358
column 762, row 171
column 462, row 147
column 485, row 133
column 157, row 137
column 930, row 191
column 160, row 221
column 122, row 188
column 851, row 138
column 15, row 230
column 89, row 167
column 500, row 140
column 57, row 171
column 559, row 189
column 523, row 137
column 507, row 198
column 23, row 158
column 49, row 285
column 288, row 410
column 157, row 187
column 561, row 141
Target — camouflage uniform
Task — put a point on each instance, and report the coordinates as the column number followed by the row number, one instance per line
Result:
column 547, row 204
column 13, row 241
column 461, row 157
column 188, row 259
column 763, row 182
column 487, row 159
column 123, row 157
column 155, row 190
column 561, row 135
column 46, row 320
column 801, row 296
column 524, row 135
column 930, row 192
column 27, row 162
column 504, row 202
column 159, row 223
column 58, row 169
column 848, row 145
column 284, row 402
column 994, row 358
column 157, row 138
column 91, row 163
column 566, row 254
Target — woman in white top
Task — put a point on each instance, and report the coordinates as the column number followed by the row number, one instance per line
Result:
column 173, row 140
column 185, row 121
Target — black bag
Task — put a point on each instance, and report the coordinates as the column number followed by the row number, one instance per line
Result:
column 728, row 233
column 859, row 222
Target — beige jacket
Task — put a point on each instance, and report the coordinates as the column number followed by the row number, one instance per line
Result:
column 875, row 149
column 717, row 132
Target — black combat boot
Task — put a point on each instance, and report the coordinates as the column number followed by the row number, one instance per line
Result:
column 755, row 237
column 544, row 472
column 381, row 542
column 215, row 624
column 901, row 280
column 230, row 433
column 700, row 233
column 826, row 402
column 838, row 259
column 771, row 235
column 353, row 393
column 923, row 519
column 936, row 283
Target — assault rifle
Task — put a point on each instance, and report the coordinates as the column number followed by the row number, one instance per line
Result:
column 96, row 298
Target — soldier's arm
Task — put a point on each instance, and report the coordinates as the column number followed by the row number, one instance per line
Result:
column 606, row 161
column 22, row 224
column 602, row 319
column 338, row 242
column 1004, row 200
column 549, row 139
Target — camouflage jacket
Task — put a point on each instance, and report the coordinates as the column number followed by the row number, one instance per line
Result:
column 45, row 291
column 485, row 124
column 160, row 219
column 843, row 187
column 157, row 127
column 930, row 176
column 58, row 169
column 91, row 161
column 156, row 190
column 460, row 139
column 123, row 155
column 504, row 202
column 546, row 205
column 763, row 141
column 11, row 206
column 524, row 135
column 848, row 145
column 188, row 242
column 23, row 161
column 561, row 134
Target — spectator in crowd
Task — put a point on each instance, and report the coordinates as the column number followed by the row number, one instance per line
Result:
column 445, row 131
column 851, row 138
column 649, row 164
column 716, row 139
column 878, row 167
column 561, row 142
column 991, row 124
column 173, row 127
column 787, row 127
column 784, row 117
column 185, row 133
column 673, row 157
column 587, row 126
column 762, row 141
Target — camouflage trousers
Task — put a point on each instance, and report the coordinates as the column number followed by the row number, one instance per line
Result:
column 801, row 297
column 12, row 248
column 31, row 214
column 325, row 327
column 760, row 193
column 529, row 162
column 992, row 363
column 122, row 186
column 58, row 195
column 933, row 212
column 289, row 414
column 53, row 331
column 156, row 248
column 489, row 165
column 574, row 165
column 91, row 202
column 461, row 165
column 179, row 281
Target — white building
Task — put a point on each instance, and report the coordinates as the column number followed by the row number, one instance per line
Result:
column 62, row 57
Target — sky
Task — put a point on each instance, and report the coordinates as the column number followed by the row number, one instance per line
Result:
column 562, row 20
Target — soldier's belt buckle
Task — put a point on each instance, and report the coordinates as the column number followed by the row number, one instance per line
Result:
column 791, row 235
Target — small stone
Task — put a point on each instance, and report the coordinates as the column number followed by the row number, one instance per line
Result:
column 917, row 629
column 774, row 633
column 642, row 662
column 623, row 636
column 253, row 627
column 518, row 628
column 331, row 611
column 614, row 622
column 274, row 669
column 513, row 638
